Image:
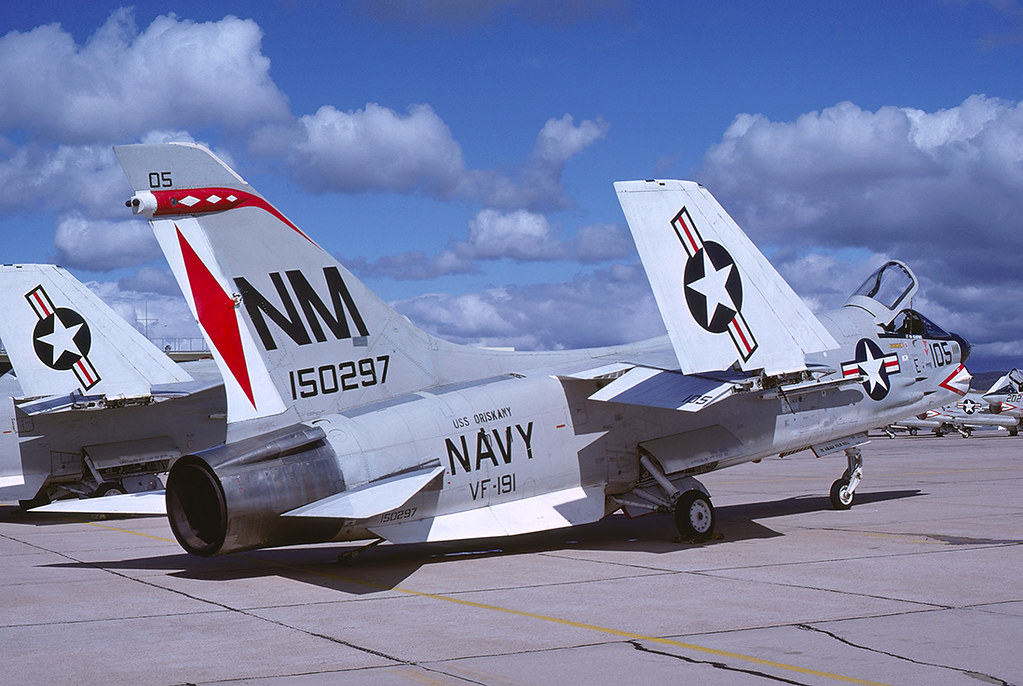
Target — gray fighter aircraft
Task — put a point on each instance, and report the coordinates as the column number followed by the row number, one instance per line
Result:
column 1006, row 396
column 994, row 408
column 96, row 407
column 346, row 422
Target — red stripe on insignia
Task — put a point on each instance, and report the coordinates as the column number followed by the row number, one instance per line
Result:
column 85, row 372
column 742, row 335
column 41, row 303
column 215, row 310
column 691, row 241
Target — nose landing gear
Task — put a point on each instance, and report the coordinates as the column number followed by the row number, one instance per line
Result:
column 843, row 491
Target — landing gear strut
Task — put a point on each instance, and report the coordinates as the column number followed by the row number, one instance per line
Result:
column 694, row 514
column 843, row 491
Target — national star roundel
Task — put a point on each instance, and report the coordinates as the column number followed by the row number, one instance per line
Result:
column 712, row 286
column 61, row 338
column 875, row 367
column 66, row 320
column 709, row 262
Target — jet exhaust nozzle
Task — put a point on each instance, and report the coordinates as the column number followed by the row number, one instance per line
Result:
column 217, row 498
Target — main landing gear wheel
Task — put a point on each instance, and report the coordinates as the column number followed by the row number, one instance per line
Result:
column 694, row 516
column 843, row 491
column 841, row 497
column 109, row 488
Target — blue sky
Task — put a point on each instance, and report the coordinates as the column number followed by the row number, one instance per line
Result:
column 459, row 155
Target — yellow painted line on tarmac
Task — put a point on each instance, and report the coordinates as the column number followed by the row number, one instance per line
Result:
column 543, row 618
column 129, row 531
column 642, row 637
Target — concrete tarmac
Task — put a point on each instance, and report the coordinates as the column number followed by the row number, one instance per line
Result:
column 919, row 583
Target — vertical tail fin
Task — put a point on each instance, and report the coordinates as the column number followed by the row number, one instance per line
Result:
column 62, row 338
column 722, row 301
column 1008, row 384
column 289, row 326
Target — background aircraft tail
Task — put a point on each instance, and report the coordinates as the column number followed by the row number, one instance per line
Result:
column 289, row 326
column 62, row 338
column 722, row 301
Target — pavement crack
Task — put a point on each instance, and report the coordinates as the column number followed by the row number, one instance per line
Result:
column 985, row 678
column 228, row 608
column 714, row 663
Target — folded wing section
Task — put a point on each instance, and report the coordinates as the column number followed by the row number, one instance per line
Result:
column 668, row 389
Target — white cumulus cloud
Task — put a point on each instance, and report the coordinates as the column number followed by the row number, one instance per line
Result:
column 520, row 235
column 376, row 149
column 605, row 307
column 942, row 191
column 943, row 186
column 371, row 149
column 123, row 82
column 103, row 245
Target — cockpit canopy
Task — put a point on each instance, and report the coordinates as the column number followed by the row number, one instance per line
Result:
column 886, row 292
column 912, row 323
column 887, row 295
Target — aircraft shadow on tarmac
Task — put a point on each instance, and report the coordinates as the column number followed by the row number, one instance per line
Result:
column 386, row 567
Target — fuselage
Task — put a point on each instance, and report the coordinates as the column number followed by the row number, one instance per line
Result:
column 523, row 433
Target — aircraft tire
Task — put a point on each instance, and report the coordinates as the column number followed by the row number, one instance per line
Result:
column 913, row 432
column 841, row 498
column 109, row 488
column 694, row 516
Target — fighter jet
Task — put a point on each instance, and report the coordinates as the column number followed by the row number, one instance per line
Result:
column 96, row 408
column 1006, row 397
column 975, row 411
column 347, row 422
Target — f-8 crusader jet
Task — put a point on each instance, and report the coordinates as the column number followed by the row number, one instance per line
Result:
column 346, row 422
column 998, row 407
column 1006, row 397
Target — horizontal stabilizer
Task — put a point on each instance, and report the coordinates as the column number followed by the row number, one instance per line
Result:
column 370, row 500
column 670, row 390
column 721, row 300
column 567, row 507
column 147, row 503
